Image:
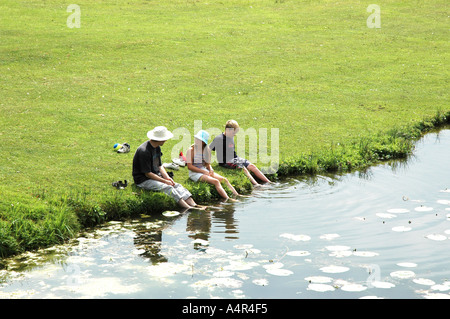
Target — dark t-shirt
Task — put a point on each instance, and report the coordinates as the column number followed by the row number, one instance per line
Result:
column 147, row 159
column 224, row 147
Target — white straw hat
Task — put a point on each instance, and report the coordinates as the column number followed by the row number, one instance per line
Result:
column 159, row 133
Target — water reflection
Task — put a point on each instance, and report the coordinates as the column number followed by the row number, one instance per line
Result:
column 149, row 232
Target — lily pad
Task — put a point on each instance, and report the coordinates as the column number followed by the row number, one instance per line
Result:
column 275, row 265
column 171, row 213
column 437, row 237
column 401, row 228
column 279, row 272
column 385, row 215
column 320, row 287
column 240, row 265
column 440, row 287
column 261, row 282
column 424, row 281
column 334, row 269
column 337, row 248
column 298, row 253
column 365, row 253
column 329, row 236
column 243, row 246
column 402, row 274
column 223, row 273
column 218, row 282
column 423, row 209
column 431, row 295
column 353, row 287
column 407, row 265
column 382, row 284
column 319, row 279
column 341, row 253
column 398, row 210
column 296, row 237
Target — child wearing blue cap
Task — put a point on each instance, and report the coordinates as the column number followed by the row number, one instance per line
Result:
column 199, row 164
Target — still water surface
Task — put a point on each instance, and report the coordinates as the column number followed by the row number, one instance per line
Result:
column 382, row 233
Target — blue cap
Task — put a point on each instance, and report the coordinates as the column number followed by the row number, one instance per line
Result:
column 203, row 136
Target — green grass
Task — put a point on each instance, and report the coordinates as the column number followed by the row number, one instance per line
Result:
column 342, row 95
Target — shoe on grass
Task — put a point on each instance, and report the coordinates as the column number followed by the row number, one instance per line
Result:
column 171, row 166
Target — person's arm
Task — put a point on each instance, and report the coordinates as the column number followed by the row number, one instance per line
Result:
column 155, row 177
column 212, row 146
column 208, row 161
column 210, row 169
column 190, row 160
column 158, row 178
column 166, row 176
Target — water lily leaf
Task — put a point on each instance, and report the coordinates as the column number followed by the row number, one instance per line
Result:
column 402, row 274
column 437, row 237
column 341, row 253
column 401, row 228
column 382, row 284
column 260, row 282
column 296, row 237
column 423, row 209
column 320, row 287
column 275, row 265
column 398, row 210
column 223, row 273
column 171, row 213
column 243, row 246
column 385, row 215
column 334, row 269
column 424, row 281
column 319, row 279
column 365, row 253
column 440, row 287
column 329, row 236
column 337, row 248
column 353, row 287
column 407, row 265
column 279, row 272
column 298, row 253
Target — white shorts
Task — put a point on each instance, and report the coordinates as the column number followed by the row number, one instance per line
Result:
column 196, row 176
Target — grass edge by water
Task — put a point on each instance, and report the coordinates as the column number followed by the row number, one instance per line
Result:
column 59, row 218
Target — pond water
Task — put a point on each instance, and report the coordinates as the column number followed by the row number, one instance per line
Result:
column 382, row 233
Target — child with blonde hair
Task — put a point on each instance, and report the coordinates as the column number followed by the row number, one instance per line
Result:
column 223, row 145
column 198, row 158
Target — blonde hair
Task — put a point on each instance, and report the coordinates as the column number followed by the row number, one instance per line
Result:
column 232, row 124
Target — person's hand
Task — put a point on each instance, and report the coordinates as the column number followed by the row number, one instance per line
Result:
column 211, row 172
column 169, row 181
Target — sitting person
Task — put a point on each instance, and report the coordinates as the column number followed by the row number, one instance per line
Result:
column 198, row 158
column 223, row 145
column 149, row 174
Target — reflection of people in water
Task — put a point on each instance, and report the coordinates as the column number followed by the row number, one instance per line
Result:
column 150, row 240
column 199, row 224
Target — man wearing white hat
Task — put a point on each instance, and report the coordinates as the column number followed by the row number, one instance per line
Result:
column 148, row 172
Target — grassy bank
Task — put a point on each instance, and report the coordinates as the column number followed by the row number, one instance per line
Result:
column 343, row 95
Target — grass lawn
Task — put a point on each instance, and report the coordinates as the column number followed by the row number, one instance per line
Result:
column 312, row 69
